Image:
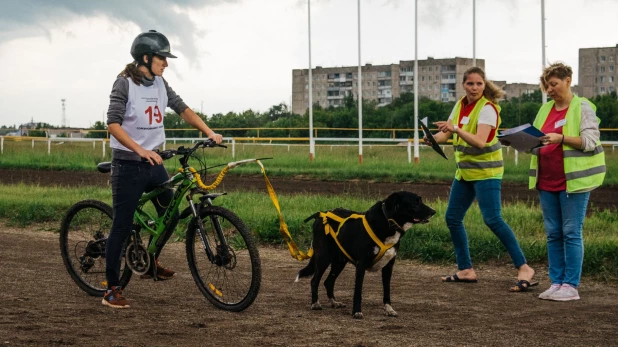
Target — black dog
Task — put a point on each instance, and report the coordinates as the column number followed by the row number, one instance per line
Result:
column 389, row 219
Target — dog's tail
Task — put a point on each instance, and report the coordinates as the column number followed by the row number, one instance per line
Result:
column 307, row 270
column 313, row 216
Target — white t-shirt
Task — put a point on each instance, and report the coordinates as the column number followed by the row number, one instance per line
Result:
column 487, row 116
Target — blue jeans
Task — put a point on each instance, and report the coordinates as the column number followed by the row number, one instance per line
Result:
column 487, row 192
column 563, row 215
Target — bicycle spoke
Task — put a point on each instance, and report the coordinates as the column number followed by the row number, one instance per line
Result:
column 83, row 237
column 231, row 279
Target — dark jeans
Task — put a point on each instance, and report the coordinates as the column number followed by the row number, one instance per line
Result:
column 130, row 179
column 487, row 192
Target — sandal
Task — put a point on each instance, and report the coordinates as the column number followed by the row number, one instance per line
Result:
column 455, row 278
column 522, row 286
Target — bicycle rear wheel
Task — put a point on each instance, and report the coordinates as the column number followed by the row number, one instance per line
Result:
column 231, row 278
column 83, row 237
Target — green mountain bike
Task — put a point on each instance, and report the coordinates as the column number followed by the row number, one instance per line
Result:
column 221, row 253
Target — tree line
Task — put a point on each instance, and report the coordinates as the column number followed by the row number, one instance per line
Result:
column 280, row 121
column 397, row 115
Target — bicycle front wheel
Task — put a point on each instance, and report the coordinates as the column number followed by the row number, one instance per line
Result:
column 224, row 259
column 83, row 238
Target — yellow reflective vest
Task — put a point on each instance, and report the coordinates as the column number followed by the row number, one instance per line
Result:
column 474, row 164
column 584, row 170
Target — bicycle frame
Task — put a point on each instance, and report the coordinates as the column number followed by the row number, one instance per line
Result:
column 157, row 226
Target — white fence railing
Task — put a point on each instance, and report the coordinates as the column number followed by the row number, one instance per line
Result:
column 367, row 142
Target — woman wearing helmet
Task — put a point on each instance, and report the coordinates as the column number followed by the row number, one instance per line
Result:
column 137, row 106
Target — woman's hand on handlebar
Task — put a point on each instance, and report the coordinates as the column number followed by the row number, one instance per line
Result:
column 151, row 156
column 218, row 138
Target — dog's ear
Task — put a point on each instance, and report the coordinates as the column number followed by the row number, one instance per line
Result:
column 391, row 205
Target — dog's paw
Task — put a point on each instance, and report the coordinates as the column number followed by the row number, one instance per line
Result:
column 388, row 310
column 336, row 304
column 316, row 306
column 357, row 315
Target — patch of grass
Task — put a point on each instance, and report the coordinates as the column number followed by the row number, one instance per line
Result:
column 22, row 205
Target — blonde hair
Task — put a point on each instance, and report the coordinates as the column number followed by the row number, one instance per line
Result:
column 491, row 92
column 559, row 70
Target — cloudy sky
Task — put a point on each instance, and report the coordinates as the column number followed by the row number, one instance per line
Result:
column 236, row 55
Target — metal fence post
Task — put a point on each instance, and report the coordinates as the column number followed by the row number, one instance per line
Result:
column 409, row 151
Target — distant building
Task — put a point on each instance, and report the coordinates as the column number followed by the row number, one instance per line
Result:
column 516, row 90
column 597, row 71
column 439, row 79
column 23, row 128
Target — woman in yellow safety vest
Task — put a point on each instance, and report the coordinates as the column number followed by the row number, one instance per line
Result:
column 569, row 165
column 473, row 124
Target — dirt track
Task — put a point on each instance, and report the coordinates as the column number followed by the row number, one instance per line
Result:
column 42, row 306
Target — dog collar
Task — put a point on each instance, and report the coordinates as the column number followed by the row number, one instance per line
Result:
column 392, row 222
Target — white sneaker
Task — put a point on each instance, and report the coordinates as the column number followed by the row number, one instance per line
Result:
column 565, row 293
column 546, row 294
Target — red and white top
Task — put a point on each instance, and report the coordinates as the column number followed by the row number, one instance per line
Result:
column 551, row 176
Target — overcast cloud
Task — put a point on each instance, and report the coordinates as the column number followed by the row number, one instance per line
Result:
column 30, row 18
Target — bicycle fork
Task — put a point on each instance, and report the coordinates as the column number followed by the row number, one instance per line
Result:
column 220, row 242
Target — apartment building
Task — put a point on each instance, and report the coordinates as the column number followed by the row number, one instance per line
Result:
column 597, row 70
column 516, row 90
column 439, row 79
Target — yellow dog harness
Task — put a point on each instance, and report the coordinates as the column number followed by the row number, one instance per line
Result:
column 329, row 230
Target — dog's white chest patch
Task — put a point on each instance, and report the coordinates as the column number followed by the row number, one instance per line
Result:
column 388, row 255
column 407, row 226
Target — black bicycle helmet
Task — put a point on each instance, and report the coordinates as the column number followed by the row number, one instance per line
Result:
column 151, row 42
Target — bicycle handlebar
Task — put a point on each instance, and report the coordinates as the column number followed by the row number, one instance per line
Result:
column 187, row 151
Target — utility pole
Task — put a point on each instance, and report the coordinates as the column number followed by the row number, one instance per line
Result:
column 64, row 115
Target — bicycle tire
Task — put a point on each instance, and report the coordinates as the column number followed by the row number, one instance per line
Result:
column 83, row 231
column 242, row 266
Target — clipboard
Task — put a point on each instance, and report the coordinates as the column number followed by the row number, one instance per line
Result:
column 436, row 147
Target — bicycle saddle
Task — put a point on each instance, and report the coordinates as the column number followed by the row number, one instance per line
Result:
column 104, row 167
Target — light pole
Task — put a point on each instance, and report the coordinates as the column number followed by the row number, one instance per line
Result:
column 416, row 152
column 360, row 93
column 543, row 40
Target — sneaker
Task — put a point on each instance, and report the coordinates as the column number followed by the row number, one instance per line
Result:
column 113, row 298
column 163, row 273
column 565, row 293
column 546, row 294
